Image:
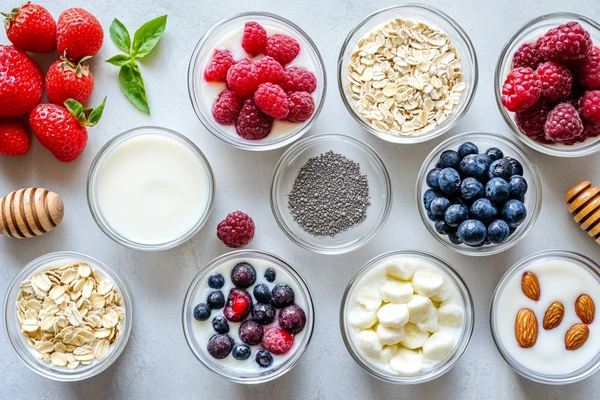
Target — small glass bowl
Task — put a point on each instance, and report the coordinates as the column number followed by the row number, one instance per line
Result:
column 18, row 340
column 199, row 348
column 533, row 197
column 462, row 343
column 434, row 18
column 574, row 376
column 530, row 32
column 92, row 195
column 203, row 54
column 380, row 192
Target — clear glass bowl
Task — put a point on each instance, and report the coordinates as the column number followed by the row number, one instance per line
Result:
column 574, row 376
column 203, row 54
column 92, row 195
column 18, row 340
column 199, row 348
column 530, row 32
column 434, row 18
column 380, row 192
column 533, row 198
column 462, row 343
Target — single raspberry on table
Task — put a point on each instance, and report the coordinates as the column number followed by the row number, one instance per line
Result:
column 14, row 137
column 253, row 124
column 531, row 121
column 563, row 124
column 269, row 70
column 283, row 48
column 236, row 230
column 272, row 100
column 298, row 79
column 588, row 70
column 566, row 42
column 254, row 40
column 528, row 55
column 219, row 65
column 277, row 341
column 242, row 78
column 227, row 108
column 301, row 106
column 589, row 104
column 556, row 79
column 522, row 89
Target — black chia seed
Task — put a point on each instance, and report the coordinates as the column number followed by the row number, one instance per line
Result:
column 329, row 195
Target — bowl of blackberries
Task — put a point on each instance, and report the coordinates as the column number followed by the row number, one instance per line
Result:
column 478, row 193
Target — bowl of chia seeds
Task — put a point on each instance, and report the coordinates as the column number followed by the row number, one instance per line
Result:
column 330, row 193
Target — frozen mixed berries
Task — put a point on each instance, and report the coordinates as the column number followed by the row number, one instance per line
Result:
column 282, row 295
column 263, row 313
column 220, row 325
column 238, row 305
column 243, row 275
column 216, row 300
column 292, row 319
column 220, row 345
column 263, row 358
column 251, row 332
column 277, row 341
column 202, row 312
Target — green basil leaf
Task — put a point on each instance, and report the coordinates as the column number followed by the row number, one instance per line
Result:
column 119, row 60
column 120, row 36
column 132, row 85
column 96, row 114
column 147, row 36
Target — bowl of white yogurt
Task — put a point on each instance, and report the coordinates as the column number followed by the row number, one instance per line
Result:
column 150, row 188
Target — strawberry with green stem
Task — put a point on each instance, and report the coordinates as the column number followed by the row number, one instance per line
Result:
column 31, row 28
column 69, row 80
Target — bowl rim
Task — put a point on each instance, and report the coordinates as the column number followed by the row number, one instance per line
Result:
column 449, row 123
column 230, row 140
column 522, row 231
column 300, row 147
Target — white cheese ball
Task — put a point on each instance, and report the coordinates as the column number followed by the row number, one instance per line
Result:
column 393, row 315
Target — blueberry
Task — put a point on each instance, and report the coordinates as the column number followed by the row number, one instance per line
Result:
column 270, row 275
column 471, row 189
column 428, row 198
column 487, row 160
column 472, row 232
column 251, row 332
column 514, row 213
column 494, row 153
column 500, row 169
column 441, row 227
column 220, row 325
column 263, row 358
column 216, row 300
column 484, row 211
column 282, row 295
column 241, row 352
column 220, row 345
column 216, row 281
column 432, row 178
column 449, row 159
column 439, row 206
column 473, row 165
column 449, row 180
column 202, row 312
column 262, row 294
column 263, row 313
column 292, row 319
column 517, row 187
column 517, row 168
column 498, row 231
column 453, row 236
column 456, row 214
column 497, row 190
column 243, row 275
column 431, row 216
column 467, row 148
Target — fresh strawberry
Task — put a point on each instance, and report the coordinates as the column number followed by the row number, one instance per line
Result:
column 20, row 82
column 67, row 80
column 31, row 28
column 62, row 130
column 14, row 137
column 78, row 34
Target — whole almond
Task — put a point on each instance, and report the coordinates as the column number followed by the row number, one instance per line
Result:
column 576, row 336
column 530, row 286
column 526, row 328
column 554, row 316
column 585, row 309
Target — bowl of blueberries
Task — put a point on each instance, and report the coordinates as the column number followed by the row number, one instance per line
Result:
column 478, row 193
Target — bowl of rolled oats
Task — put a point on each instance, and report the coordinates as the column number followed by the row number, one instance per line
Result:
column 68, row 316
column 407, row 73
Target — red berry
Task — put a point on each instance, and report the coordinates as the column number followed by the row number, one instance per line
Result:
column 566, row 42
column 254, row 40
column 14, row 137
column 66, row 80
column 588, row 71
column 527, row 55
column 227, row 107
column 590, row 129
column 301, row 105
column 556, row 79
column 242, row 78
column 236, row 230
column 522, row 89
column 78, row 34
column 269, row 70
column 219, row 65
column 563, row 124
column 277, row 341
column 31, row 28
column 240, row 303
column 253, row 124
column 20, row 82
column 589, row 104
column 272, row 100
column 531, row 121
column 297, row 79
column 283, row 48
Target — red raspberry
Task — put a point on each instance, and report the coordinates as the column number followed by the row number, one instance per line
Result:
column 301, row 105
column 272, row 100
column 588, row 71
column 236, row 230
column 226, row 108
column 589, row 104
column 14, row 137
column 254, row 40
column 242, row 78
column 590, row 129
column 566, row 42
column 556, row 79
column 522, row 89
column 296, row 79
column 269, row 70
column 563, row 124
column 527, row 55
column 253, row 124
column 219, row 65
column 277, row 341
column 283, row 48
column 531, row 121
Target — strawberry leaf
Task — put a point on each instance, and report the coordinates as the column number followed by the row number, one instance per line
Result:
column 132, row 85
column 76, row 109
column 147, row 36
column 120, row 36
column 119, row 60
column 96, row 114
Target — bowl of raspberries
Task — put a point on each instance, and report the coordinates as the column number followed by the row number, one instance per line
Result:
column 547, row 84
column 256, row 81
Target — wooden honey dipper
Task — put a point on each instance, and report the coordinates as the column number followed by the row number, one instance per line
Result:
column 584, row 204
column 30, row 212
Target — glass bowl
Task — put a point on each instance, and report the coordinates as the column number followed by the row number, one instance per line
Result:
column 529, row 33
column 92, row 190
column 380, row 192
column 464, row 338
column 197, row 293
column 18, row 340
column 434, row 18
column 202, row 95
column 533, row 198
column 513, row 277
